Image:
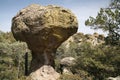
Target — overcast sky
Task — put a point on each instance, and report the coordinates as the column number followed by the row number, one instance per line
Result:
column 81, row 8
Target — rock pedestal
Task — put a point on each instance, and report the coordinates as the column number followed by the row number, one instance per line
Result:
column 43, row 28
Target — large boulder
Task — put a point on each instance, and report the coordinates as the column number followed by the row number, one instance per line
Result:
column 43, row 28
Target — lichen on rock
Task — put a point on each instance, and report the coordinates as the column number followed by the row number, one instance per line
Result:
column 43, row 28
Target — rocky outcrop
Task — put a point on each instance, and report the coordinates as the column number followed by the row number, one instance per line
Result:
column 46, row 72
column 78, row 38
column 67, row 61
column 95, row 39
column 65, row 64
column 43, row 28
column 73, row 45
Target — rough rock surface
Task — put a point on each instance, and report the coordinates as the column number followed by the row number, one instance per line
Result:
column 95, row 39
column 65, row 63
column 45, row 73
column 43, row 28
column 73, row 43
column 78, row 38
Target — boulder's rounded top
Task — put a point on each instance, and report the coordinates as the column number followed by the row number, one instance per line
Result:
column 44, row 24
column 48, row 16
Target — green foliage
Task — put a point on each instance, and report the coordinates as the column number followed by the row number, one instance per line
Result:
column 103, row 61
column 93, row 62
column 70, row 77
column 12, row 57
column 7, row 37
column 108, row 20
column 12, row 60
column 115, row 4
column 73, row 48
column 99, row 62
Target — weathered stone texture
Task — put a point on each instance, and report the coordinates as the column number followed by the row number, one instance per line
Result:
column 43, row 28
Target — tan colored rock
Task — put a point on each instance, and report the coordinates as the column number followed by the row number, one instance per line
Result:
column 67, row 61
column 95, row 39
column 46, row 72
column 65, row 65
column 96, row 35
column 112, row 78
column 43, row 28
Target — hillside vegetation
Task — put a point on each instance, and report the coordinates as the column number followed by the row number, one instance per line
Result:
column 94, row 59
column 12, row 57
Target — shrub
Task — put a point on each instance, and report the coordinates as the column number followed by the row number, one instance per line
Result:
column 100, row 61
column 12, row 60
column 70, row 77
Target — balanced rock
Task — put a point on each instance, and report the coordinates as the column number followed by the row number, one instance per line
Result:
column 43, row 28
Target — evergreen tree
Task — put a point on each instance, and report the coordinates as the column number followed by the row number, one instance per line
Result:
column 108, row 19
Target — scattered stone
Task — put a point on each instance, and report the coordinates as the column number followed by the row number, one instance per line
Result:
column 67, row 61
column 46, row 72
column 65, row 64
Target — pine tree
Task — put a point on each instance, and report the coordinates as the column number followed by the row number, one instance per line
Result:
column 108, row 19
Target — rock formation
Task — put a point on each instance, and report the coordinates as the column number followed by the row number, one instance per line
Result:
column 76, row 41
column 65, row 64
column 67, row 61
column 95, row 39
column 43, row 28
column 78, row 38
